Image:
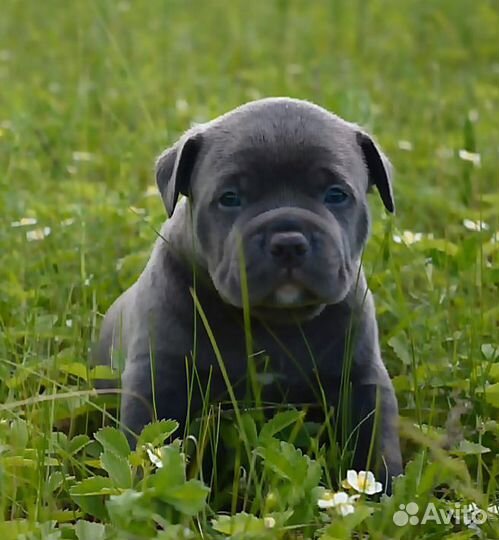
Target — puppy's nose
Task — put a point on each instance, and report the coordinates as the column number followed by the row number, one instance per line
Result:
column 289, row 248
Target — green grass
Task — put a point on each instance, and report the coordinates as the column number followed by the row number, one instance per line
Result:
column 90, row 93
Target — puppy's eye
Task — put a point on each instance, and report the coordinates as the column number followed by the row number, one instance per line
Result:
column 230, row 199
column 335, row 195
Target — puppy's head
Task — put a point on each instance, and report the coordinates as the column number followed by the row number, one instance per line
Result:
column 277, row 190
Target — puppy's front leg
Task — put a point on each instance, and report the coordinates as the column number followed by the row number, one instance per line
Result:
column 153, row 390
column 374, row 423
column 391, row 455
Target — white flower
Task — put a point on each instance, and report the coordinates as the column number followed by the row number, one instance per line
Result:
column 37, row 234
column 408, row 237
column 269, row 522
column 137, row 210
column 154, row 456
column 405, row 145
column 23, row 222
column 363, row 482
column 181, row 105
column 341, row 501
column 473, row 115
column 151, row 191
column 472, row 157
column 82, row 156
column 475, row 225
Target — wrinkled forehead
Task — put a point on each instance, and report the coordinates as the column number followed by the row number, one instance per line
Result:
column 283, row 147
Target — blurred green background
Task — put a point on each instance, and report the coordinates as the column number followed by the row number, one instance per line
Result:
column 93, row 91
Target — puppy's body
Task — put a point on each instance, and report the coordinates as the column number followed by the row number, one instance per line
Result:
column 255, row 180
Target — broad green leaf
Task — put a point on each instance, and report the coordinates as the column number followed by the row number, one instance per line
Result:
column 188, row 498
column 279, row 422
column 289, row 463
column 239, row 524
column 20, row 461
column 14, row 529
column 247, row 429
column 113, row 441
column 343, row 526
column 78, row 369
column 283, row 464
column 19, row 378
column 401, row 348
column 466, row 448
column 491, row 352
column 60, row 440
column 47, row 530
column 156, row 433
column 104, row 373
column 19, row 434
column 492, row 395
column 118, row 469
column 65, row 516
column 89, row 495
column 172, row 473
column 55, row 481
column 78, row 443
column 94, row 485
column 131, row 511
column 86, row 530
column 494, row 372
column 402, row 383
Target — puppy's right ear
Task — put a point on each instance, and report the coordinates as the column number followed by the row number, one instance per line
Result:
column 174, row 168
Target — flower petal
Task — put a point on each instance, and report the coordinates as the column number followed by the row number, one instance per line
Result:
column 352, row 479
column 340, row 498
column 346, row 509
column 325, row 503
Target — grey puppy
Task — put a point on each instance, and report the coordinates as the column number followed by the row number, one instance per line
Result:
column 275, row 207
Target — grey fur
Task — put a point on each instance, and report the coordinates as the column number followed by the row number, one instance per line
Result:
column 281, row 154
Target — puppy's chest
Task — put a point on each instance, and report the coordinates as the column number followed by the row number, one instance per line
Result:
column 279, row 356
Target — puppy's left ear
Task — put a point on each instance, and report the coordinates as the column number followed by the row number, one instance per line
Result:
column 379, row 169
column 174, row 168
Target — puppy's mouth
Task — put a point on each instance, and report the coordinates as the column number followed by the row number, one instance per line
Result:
column 288, row 301
column 291, row 289
column 288, row 295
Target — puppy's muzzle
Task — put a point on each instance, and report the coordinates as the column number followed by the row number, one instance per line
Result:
column 285, row 239
column 289, row 249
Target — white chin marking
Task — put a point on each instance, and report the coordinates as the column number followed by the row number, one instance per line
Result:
column 287, row 294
